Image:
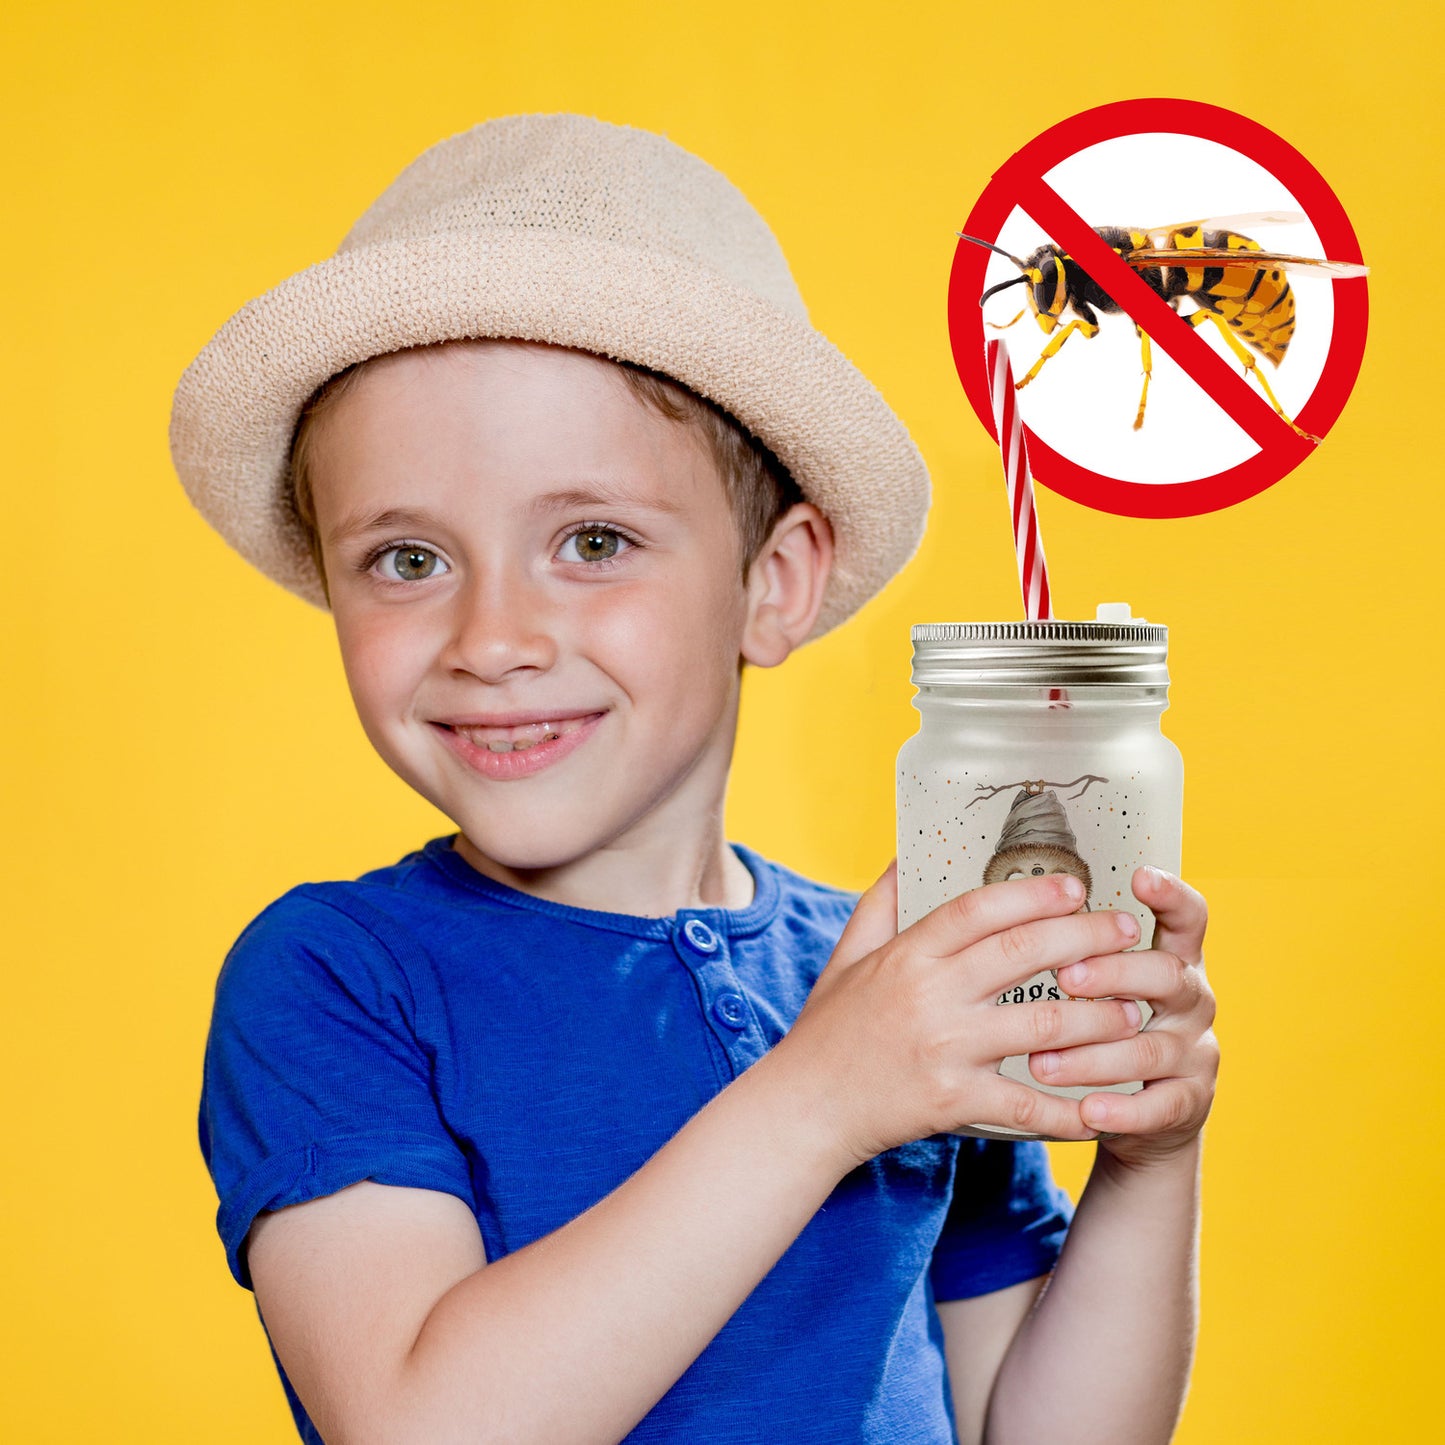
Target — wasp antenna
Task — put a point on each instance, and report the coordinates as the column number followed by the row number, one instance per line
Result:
column 1002, row 286
column 989, row 245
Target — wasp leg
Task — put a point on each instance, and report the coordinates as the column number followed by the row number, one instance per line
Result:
column 1005, row 326
column 1090, row 330
column 1198, row 318
column 1146, row 356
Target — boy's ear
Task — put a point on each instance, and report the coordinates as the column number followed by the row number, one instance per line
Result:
column 785, row 585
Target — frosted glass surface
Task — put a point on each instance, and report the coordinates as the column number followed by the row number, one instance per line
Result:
column 988, row 794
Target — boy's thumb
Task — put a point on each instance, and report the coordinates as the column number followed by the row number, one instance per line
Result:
column 874, row 921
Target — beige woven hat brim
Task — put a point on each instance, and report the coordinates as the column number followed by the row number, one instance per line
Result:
column 237, row 405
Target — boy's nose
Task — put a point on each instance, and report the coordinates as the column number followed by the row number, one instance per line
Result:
column 502, row 625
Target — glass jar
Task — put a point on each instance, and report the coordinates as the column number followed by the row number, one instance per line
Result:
column 1039, row 751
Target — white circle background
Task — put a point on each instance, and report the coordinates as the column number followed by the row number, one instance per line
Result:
column 1083, row 402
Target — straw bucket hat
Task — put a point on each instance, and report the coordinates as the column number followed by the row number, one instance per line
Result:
column 567, row 230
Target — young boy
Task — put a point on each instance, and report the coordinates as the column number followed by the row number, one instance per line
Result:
column 582, row 1124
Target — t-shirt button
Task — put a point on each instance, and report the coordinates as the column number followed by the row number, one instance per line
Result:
column 729, row 1008
column 699, row 935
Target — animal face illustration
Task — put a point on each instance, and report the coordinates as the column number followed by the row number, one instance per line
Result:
column 1025, row 860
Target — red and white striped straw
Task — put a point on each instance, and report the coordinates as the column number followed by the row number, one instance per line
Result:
column 1033, row 570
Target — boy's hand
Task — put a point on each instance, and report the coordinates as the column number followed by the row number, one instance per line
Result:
column 1176, row 1054
column 901, row 1036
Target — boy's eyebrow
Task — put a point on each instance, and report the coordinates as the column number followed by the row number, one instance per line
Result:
column 393, row 519
column 602, row 495
column 404, row 519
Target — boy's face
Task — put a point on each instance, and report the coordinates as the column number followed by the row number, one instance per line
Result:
column 537, row 588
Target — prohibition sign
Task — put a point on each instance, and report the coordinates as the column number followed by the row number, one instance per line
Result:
column 1020, row 182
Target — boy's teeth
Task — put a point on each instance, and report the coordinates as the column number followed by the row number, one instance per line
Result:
column 520, row 745
column 519, row 739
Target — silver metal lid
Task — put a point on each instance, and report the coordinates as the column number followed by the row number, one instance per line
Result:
column 1048, row 654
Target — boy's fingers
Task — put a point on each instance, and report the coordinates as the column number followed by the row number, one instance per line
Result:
column 1002, row 1102
column 874, row 921
column 1014, row 953
column 982, row 912
column 1180, row 913
column 1165, row 1107
column 1153, row 1054
column 1039, row 1027
column 1164, row 979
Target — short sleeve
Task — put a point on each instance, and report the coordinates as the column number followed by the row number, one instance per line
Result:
column 314, row 1074
column 1006, row 1221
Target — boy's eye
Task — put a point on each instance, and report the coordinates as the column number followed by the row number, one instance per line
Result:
column 410, row 563
column 593, row 544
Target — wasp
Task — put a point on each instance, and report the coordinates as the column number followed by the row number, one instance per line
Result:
column 1232, row 280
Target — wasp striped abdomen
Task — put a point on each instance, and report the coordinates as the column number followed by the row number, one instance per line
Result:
column 1256, row 303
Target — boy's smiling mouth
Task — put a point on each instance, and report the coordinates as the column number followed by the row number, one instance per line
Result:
column 498, row 738
column 507, row 747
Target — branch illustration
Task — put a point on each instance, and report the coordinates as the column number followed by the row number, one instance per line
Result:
column 1037, row 785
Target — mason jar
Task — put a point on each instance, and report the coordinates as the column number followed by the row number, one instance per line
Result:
column 1039, row 751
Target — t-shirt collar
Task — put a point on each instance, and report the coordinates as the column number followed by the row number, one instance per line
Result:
column 732, row 922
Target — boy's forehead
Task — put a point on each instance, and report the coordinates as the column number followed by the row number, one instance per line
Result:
column 563, row 427
column 529, row 377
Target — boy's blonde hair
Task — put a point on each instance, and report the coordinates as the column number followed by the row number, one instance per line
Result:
column 758, row 486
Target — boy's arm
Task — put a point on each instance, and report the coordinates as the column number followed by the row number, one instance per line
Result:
column 392, row 1329
column 1105, row 1354
column 976, row 1335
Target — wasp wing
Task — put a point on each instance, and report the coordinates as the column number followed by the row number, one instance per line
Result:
column 1160, row 235
column 1254, row 260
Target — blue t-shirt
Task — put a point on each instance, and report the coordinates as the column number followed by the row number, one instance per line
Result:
column 425, row 1026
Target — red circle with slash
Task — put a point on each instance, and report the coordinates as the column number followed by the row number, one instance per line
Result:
column 1020, row 182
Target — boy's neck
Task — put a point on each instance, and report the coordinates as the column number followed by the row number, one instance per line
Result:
column 623, row 880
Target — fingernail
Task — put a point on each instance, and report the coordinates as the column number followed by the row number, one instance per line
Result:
column 1128, row 925
column 1074, row 976
column 1046, row 1064
column 1071, row 887
column 1131, row 1012
column 1095, row 1111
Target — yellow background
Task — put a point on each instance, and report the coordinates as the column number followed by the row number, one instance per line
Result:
column 181, row 748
